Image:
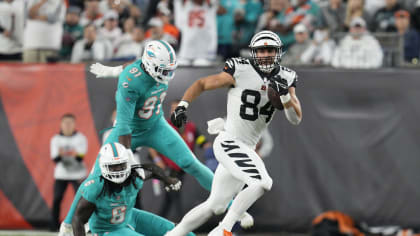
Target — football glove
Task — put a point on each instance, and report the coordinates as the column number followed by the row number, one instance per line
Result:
column 102, row 71
column 279, row 84
column 179, row 116
column 175, row 186
column 65, row 230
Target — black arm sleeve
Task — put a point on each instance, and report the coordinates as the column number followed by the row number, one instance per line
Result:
column 57, row 159
column 156, row 172
column 79, row 158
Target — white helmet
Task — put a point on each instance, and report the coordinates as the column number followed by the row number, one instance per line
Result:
column 114, row 164
column 159, row 60
column 266, row 39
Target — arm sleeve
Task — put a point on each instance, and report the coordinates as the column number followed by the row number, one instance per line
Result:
column 126, row 98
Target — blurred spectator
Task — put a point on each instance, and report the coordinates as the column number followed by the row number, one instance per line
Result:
column 196, row 19
column 355, row 8
column 358, row 49
column 192, row 137
column 43, row 30
column 90, row 47
column 371, row 6
column 383, row 20
column 110, row 31
column 225, row 27
column 121, row 7
column 411, row 36
column 68, row 148
column 333, row 16
column 321, row 49
column 73, row 31
column 246, row 19
column 132, row 48
column 156, row 32
column 306, row 12
column 275, row 20
column 416, row 16
column 128, row 28
column 10, row 40
column 295, row 52
column 91, row 14
column 163, row 21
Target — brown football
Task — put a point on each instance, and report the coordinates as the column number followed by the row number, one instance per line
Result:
column 274, row 98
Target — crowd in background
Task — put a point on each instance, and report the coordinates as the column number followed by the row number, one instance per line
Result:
column 344, row 34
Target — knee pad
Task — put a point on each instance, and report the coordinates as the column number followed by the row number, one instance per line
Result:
column 217, row 207
column 265, row 184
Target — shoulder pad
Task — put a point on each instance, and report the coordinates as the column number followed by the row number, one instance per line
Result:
column 241, row 60
column 288, row 74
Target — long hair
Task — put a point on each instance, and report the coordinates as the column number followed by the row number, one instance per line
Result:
column 110, row 187
column 352, row 12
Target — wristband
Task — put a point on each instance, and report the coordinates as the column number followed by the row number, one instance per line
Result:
column 183, row 104
column 285, row 98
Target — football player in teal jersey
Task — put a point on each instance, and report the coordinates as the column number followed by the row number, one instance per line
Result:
column 142, row 87
column 108, row 199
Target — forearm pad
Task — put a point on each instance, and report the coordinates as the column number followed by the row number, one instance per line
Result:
column 291, row 116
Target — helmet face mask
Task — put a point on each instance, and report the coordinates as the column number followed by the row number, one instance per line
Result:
column 271, row 43
column 113, row 162
column 159, row 61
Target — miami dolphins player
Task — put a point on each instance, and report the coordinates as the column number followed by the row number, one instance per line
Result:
column 141, row 90
column 108, row 199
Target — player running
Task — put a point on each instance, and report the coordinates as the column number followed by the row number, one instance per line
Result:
column 142, row 87
column 108, row 199
column 249, row 111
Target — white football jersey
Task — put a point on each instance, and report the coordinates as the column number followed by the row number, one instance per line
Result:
column 197, row 22
column 249, row 110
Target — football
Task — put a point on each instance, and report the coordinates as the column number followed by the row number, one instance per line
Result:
column 274, row 98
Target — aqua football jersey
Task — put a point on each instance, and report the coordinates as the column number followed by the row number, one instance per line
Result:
column 139, row 100
column 112, row 212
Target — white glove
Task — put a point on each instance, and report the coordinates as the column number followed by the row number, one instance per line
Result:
column 65, row 230
column 173, row 187
column 102, row 71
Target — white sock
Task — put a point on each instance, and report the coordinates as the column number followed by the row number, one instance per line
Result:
column 192, row 220
column 240, row 205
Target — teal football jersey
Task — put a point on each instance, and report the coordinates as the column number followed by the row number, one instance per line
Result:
column 139, row 100
column 112, row 212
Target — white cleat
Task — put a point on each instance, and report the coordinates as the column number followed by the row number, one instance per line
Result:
column 65, row 230
column 247, row 221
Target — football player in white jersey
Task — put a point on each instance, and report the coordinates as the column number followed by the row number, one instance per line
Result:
column 249, row 111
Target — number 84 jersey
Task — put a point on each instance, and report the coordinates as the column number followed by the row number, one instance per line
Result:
column 249, row 110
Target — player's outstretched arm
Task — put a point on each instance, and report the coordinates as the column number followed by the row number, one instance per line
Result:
column 158, row 173
column 83, row 211
column 221, row 80
column 292, row 108
column 102, row 71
